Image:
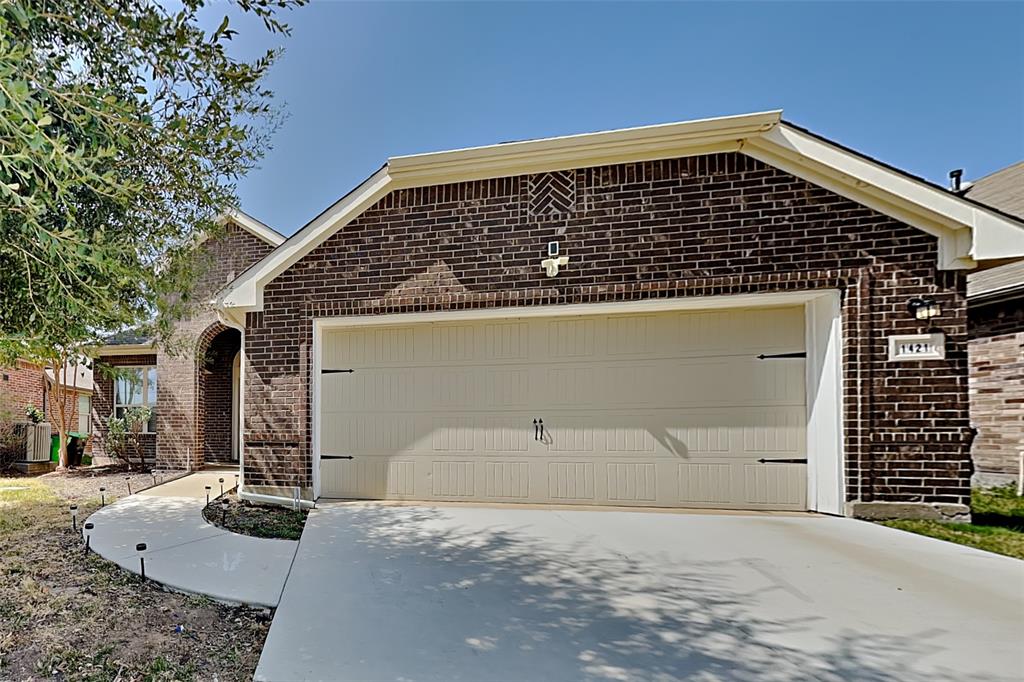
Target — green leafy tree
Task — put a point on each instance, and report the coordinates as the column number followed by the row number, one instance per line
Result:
column 124, row 127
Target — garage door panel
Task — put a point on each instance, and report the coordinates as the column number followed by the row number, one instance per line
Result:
column 656, row 409
column 572, row 481
column 507, row 480
column 775, row 485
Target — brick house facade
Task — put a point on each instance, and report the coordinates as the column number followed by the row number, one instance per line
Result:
column 700, row 225
column 996, row 352
column 995, row 310
column 26, row 384
column 194, row 375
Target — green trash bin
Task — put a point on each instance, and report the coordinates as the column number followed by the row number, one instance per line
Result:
column 55, row 447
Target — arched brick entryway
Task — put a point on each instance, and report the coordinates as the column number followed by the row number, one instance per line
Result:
column 216, row 387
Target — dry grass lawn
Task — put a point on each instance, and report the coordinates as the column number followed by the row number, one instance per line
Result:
column 997, row 523
column 68, row 615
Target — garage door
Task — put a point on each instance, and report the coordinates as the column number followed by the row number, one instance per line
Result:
column 667, row 409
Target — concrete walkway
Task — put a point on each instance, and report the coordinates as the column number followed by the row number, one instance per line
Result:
column 475, row 594
column 187, row 553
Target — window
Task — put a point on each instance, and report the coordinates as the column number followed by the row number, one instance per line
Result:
column 84, row 408
column 136, row 387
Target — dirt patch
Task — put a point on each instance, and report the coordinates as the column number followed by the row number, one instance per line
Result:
column 84, row 483
column 260, row 521
column 68, row 615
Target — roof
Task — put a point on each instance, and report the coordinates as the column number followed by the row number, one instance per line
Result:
column 129, row 337
column 967, row 231
column 254, row 227
column 1005, row 280
column 1003, row 189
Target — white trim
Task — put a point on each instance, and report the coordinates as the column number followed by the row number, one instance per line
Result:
column 254, row 227
column 966, row 232
column 126, row 349
column 825, row 477
column 825, row 472
column 273, row 499
column 246, row 292
column 236, row 373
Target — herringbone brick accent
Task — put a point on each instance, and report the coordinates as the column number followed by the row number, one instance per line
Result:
column 552, row 194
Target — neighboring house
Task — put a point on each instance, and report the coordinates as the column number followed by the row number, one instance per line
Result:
column 193, row 388
column 996, row 347
column 746, row 315
column 27, row 384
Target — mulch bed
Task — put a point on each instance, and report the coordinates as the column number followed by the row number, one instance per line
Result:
column 257, row 520
column 68, row 615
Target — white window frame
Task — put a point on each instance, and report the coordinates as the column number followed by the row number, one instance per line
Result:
column 85, row 416
column 144, row 392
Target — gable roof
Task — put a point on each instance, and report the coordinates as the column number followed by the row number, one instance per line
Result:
column 254, row 227
column 1003, row 189
column 966, row 230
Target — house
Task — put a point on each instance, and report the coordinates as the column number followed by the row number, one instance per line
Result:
column 995, row 308
column 193, row 385
column 28, row 384
column 731, row 312
column 724, row 313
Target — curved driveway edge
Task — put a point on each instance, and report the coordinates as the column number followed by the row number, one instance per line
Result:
column 185, row 552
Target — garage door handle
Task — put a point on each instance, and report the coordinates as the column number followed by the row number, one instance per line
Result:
column 782, row 461
column 541, row 429
column 536, row 430
column 799, row 354
column 336, row 457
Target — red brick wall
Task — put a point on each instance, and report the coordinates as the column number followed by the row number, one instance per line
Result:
column 20, row 386
column 24, row 385
column 996, row 351
column 717, row 224
column 179, row 442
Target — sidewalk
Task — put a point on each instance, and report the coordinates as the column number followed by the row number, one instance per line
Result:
column 187, row 553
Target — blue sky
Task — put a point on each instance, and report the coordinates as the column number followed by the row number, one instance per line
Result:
column 924, row 86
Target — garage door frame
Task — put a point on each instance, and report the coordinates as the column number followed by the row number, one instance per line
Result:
column 823, row 330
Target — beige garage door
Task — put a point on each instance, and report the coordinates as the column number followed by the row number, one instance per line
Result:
column 667, row 409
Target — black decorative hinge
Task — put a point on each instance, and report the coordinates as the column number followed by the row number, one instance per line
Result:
column 337, row 371
column 800, row 354
column 782, row 461
column 336, row 457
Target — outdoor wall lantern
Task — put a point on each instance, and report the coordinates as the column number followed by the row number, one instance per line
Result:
column 924, row 308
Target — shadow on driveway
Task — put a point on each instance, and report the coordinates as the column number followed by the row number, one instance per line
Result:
column 419, row 593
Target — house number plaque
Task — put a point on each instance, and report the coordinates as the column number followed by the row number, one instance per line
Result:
column 917, row 347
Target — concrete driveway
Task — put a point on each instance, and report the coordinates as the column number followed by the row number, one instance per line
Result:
column 381, row 592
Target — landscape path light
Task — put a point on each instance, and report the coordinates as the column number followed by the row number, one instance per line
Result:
column 208, row 495
column 141, row 549
column 74, row 517
column 224, row 504
column 87, row 531
column 221, row 486
column 103, row 497
column 128, row 479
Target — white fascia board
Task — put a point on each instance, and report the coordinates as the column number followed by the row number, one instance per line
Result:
column 991, row 235
column 254, row 227
column 648, row 143
column 953, row 249
column 246, row 292
column 995, row 237
column 126, row 349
